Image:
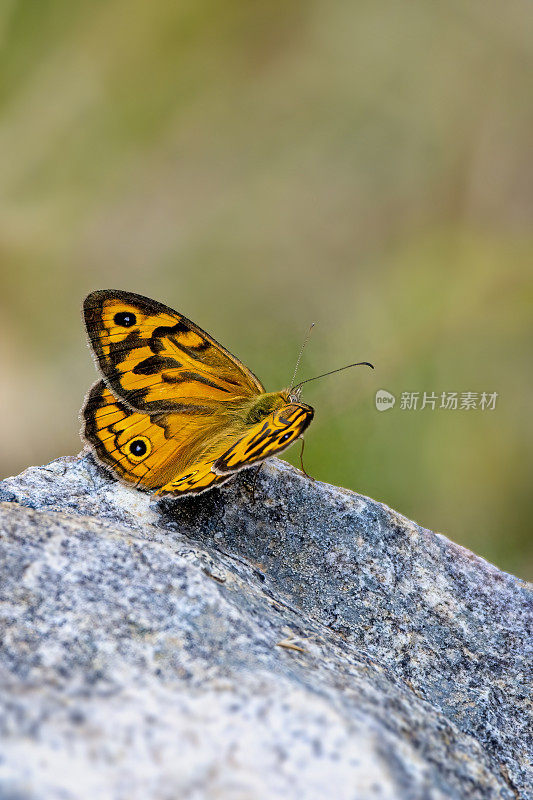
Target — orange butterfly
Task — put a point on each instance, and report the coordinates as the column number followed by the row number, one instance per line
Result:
column 176, row 412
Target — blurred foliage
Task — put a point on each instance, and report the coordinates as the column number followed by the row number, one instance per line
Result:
column 261, row 165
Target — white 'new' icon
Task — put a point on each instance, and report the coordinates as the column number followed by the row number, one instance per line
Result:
column 384, row 400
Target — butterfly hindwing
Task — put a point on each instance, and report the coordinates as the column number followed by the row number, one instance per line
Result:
column 157, row 360
column 262, row 440
column 266, row 438
column 195, row 479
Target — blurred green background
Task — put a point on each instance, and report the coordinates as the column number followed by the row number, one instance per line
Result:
column 258, row 166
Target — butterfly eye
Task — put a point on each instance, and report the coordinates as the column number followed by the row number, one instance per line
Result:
column 137, row 449
column 125, row 319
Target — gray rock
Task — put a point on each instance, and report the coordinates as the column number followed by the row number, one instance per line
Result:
column 307, row 642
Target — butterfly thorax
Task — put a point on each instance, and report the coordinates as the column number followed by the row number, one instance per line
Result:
column 258, row 408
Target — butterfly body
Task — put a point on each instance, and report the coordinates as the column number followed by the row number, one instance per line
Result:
column 176, row 413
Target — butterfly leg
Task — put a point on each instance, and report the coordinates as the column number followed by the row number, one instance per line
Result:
column 254, row 484
column 302, row 460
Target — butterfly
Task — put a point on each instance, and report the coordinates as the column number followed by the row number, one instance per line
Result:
column 176, row 413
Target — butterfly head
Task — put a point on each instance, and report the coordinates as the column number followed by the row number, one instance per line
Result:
column 294, row 394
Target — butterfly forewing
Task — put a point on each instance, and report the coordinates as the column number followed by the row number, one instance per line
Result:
column 157, row 360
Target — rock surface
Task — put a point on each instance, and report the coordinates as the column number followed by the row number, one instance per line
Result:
column 309, row 643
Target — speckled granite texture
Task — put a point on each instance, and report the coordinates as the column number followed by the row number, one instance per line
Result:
column 311, row 643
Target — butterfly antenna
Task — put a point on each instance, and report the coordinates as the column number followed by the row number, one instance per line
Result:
column 358, row 364
column 300, row 355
